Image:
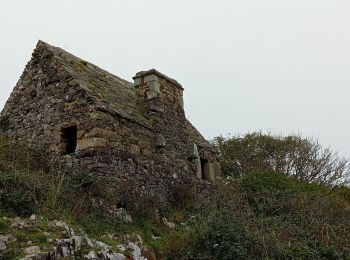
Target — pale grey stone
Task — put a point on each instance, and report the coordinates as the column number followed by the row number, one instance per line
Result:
column 115, row 256
column 2, row 245
column 65, row 251
column 168, row 223
column 198, row 164
column 123, row 215
column 192, row 151
column 181, row 101
column 154, row 108
column 151, row 94
column 137, row 81
column 135, row 251
column 91, row 256
column 155, row 237
column 103, row 246
column 77, row 242
column 151, row 77
column 160, row 141
column 209, row 172
column 32, row 250
column 154, row 86
column 121, row 248
column 89, row 241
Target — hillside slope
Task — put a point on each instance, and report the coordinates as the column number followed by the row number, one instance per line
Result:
column 258, row 216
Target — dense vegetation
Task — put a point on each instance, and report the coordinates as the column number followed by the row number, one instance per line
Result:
column 255, row 214
column 294, row 156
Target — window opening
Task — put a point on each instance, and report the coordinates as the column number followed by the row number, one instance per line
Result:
column 69, row 136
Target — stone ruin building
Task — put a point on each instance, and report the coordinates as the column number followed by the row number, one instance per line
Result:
column 88, row 117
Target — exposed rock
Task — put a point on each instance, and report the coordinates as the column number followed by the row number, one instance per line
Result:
column 115, row 256
column 32, row 250
column 155, row 237
column 121, row 248
column 123, row 215
column 91, row 256
column 2, row 245
column 135, row 251
column 89, row 241
column 18, row 222
column 168, row 223
column 63, row 247
column 76, row 242
column 72, row 246
column 103, row 246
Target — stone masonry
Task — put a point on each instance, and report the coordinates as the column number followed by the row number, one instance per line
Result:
column 91, row 118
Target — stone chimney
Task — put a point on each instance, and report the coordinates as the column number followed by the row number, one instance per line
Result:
column 154, row 85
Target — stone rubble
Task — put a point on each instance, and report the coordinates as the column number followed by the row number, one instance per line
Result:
column 128, row 246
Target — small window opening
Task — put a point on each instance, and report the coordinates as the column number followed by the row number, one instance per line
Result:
column 69, row 136
column 204, row 167
column 121, row 205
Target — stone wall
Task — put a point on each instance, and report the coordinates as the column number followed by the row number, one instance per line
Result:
column 152, row 158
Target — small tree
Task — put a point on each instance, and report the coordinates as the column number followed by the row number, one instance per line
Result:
column 294, row 156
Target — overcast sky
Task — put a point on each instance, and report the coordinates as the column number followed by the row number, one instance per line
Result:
column 281, row 66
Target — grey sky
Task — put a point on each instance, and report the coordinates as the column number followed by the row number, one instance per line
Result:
column 245, row 65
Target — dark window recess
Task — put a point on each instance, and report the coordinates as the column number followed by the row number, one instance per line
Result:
column 69, row 136
column 204, row 167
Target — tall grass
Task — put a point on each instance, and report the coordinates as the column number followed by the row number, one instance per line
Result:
column 258, row 216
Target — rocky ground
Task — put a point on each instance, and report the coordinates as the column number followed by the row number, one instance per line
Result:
column 39, row 238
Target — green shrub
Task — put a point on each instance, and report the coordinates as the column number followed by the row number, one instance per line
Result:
column 261, row 215
column 4, row 226
column 227, row 237
column 294, row 156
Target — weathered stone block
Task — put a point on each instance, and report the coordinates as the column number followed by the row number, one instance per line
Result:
column 146, row 152
column 92, row 142
column 198, row 168
column 160, row 141
column 151, row 94
column 151, row 77
column 209, row 172
column 135, row 150
column 137, row 81
column 103, row 133
column 155, row 108
column 181, row 101
column 192, row 151
column 154, row 86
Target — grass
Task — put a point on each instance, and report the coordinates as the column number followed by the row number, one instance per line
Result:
column 260, row 216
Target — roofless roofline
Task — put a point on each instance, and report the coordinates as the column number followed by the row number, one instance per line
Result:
column 138, row 74
column 161, row 75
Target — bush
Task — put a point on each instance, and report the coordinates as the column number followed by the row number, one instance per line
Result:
column 261, row 215
column 268, row 216
column 294, row 156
